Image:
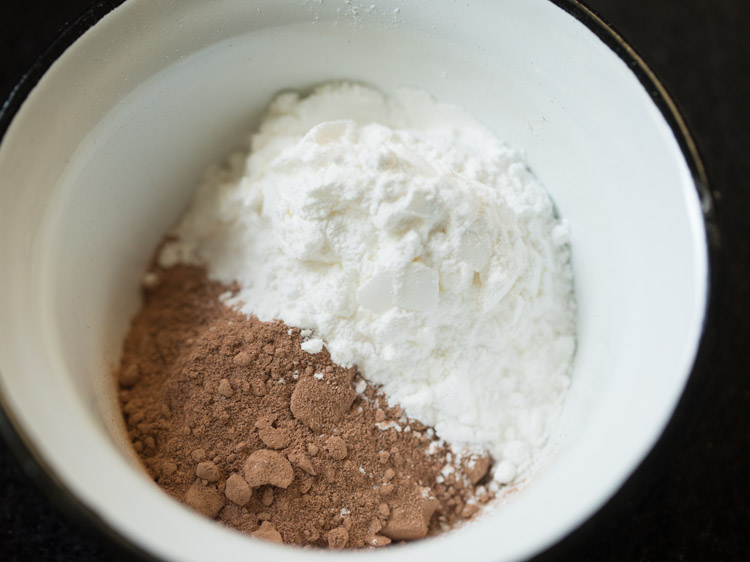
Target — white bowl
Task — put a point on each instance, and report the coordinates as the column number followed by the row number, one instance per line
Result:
column 104, row 153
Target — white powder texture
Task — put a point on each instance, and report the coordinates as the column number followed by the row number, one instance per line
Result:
column 415, row 244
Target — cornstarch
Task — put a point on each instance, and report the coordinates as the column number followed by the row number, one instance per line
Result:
column 403, row 236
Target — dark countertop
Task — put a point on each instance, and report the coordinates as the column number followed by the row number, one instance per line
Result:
column 693, row 503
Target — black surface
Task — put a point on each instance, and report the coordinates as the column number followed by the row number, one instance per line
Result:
column 691, row 505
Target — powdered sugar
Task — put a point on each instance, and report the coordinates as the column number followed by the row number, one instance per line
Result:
column 415, row 244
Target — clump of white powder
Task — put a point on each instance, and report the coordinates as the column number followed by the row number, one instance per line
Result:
column 414, row 244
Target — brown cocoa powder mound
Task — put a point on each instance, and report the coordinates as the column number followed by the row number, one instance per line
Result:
column 230, row 416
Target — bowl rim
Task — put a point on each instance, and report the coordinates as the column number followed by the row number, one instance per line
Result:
column 57, row 492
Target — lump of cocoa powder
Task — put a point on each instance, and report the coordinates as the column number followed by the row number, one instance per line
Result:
column 268, row 532
column 207, row 471
column 320, row 399
column 268, row 467
column 205, row 500
column 301, row 461
column 237, row 490
column 337, row 538
column 336, row 447
column 231, row 417
column 409, row 518
column 476, row 467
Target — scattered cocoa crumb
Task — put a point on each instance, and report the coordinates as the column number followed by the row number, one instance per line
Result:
column 476, row 467
column 225, row 389
column 337, row 538
column 410, row 519
column 268, row 532
column 336, row 447
column 229, row 415
column 379, row 540
column 206, row 501
column 268, row 467
column 267, row 497
column 207, row 471
column 301, row 461
column 237, row 490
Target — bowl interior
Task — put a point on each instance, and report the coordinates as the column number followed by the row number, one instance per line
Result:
column 105, row 154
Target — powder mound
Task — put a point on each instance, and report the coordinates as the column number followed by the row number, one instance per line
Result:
column 357, row 474
column 401, row 233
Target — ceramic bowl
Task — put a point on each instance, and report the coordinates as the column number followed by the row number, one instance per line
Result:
column 104, row 145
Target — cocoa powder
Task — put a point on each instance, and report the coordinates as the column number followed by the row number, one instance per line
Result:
column 231, row 417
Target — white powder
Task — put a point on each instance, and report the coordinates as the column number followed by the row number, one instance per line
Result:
column 313, row 345
column 415, row 244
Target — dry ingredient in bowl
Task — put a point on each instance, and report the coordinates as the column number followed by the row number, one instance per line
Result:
column 232, row 417
column 402, row 238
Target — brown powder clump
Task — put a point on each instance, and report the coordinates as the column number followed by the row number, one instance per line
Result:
column 231, row 417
